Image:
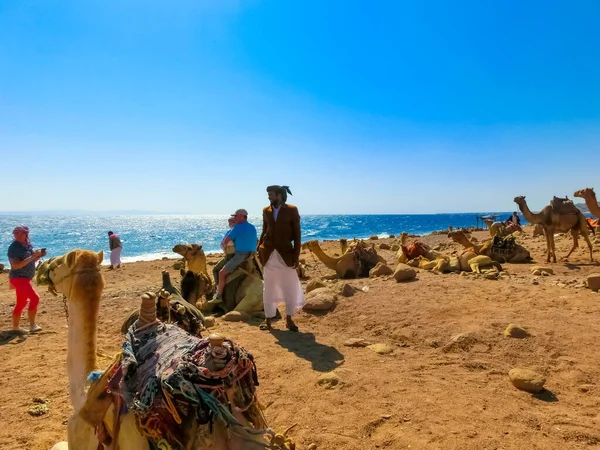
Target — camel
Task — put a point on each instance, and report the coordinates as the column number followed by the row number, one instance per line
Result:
column 414, row 249
column 591, row 202
column 76, row 275
column 501, row 228
column 243, row 290
column 176, row 307
column 560, row 215
column 194, row 257
column 509, row 253
column 418, row 254
column 356, row 262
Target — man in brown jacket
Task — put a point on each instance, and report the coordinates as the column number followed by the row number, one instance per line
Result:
column 279, row 253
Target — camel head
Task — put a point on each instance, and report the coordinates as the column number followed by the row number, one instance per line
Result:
column 403, row 238
column 584, row 193
column 520, row 200
column 457, row 234
column 310, row 245
column 188, row 251
column 77, row 270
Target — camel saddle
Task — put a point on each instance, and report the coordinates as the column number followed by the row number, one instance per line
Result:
column 564, row 206
column 365, row 259
column 503, row 245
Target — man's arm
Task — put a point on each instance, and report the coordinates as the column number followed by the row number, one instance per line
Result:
column 296, row 236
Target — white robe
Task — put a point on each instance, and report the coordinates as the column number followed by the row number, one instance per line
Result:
column 281, row 284
column 115, row 256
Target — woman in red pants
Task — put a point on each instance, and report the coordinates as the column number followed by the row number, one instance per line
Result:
column 22, row 269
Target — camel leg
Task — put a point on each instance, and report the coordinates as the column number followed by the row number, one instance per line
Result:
column 574, row 233
column 551, row 246
column 548, row 244
column 586, row 236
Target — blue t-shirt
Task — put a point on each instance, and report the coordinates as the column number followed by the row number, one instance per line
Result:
column 244, row 237
column 19, row 251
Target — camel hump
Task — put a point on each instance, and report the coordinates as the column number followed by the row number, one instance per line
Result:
column 564, row 206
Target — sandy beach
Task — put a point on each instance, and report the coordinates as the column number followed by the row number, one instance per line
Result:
column 427, row 393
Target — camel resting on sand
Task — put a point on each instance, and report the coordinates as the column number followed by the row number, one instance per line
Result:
column 135, row 404
column 560, row 215
column 173, row 307
column 502, row 250
column 358, row 259
column 418, row 254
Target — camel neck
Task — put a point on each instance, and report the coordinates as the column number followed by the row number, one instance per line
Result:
column 81, row 354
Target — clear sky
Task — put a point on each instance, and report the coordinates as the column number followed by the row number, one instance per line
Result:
column 360, row 107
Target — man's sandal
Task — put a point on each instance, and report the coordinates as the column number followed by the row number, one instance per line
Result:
column 291, row 327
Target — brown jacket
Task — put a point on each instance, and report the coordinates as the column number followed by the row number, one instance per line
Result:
column 279, row 234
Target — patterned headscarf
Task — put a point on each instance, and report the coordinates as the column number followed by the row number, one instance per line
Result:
column 22, row 229
column 283, row 190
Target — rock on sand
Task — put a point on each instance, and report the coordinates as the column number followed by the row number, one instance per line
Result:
column 527, row 380
column 516, row 332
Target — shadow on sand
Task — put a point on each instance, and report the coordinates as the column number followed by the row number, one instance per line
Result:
column 10, row 336
column 324, row 358
column 546, row 396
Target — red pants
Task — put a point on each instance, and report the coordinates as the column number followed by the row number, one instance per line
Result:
column 24, row 291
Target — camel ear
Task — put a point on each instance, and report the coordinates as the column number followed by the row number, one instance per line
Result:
column 71, row 258
column 100, row 256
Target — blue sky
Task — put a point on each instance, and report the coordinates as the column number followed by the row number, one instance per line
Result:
column 360, row 107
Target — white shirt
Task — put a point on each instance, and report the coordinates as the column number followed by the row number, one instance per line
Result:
column 276, row 212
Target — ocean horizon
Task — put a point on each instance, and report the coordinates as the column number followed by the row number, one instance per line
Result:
column 147, row 237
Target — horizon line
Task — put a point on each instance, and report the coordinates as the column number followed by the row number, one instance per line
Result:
column 163, row 213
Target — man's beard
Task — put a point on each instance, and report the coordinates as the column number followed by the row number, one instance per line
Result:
column 275, row 203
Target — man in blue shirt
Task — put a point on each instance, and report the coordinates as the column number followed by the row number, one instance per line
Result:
column 245, row 237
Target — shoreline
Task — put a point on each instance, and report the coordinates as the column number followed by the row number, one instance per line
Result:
column 163, row 256
column 213, row 253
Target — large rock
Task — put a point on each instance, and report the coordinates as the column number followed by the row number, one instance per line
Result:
column 515, row 332
column 381, row 349
column 374, row 237
column 356, row 342
column 345, row 289
column 384, row 246
column 542, row 270
column 236, row 316
column 209, row 322
column 593, row 281
column 314, row 284
column 404, row 273
column 395, row 248
column 380, row 270
column 527, row 380
column 320, row 299
column 330, row 380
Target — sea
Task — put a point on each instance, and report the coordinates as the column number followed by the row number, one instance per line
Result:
column 151, row 237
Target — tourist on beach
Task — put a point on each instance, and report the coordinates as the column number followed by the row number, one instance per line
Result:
column 244, row 237
column 115, row 250
column 280, row 258
column 228, row 249
column 22, row 259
